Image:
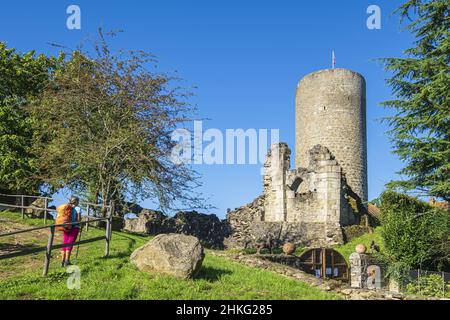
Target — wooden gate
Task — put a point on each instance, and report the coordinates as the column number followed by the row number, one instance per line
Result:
column 324, row 263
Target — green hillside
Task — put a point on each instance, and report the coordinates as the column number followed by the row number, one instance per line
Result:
column 116, row 278
column 347, row 249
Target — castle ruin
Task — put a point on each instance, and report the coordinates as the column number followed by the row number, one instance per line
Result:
column 327, row 190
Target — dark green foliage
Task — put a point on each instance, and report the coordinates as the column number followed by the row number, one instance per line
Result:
column 420, row 127
column 22, row 79
column 415, row 234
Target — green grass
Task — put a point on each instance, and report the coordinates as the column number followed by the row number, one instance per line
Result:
column 347, row 249
column 17, row 217
column 116, row 278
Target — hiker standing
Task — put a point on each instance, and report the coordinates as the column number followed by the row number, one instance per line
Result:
column 66, row 214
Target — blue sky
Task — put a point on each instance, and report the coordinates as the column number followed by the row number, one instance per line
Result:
column 244, row 57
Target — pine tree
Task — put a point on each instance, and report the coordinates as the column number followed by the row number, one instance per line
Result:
column 420, row 127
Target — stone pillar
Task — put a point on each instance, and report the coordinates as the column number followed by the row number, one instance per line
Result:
column 394, row 286
column 275, row 169
column 328, row 185
column 358, row 270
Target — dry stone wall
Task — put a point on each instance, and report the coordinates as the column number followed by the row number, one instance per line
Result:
column 209, row 229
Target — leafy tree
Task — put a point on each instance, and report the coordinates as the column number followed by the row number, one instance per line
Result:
column 420, row 82
column 415, row 235
column 104, row 129
column 22, row 79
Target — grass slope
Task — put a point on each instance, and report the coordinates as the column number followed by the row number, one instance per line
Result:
column 347, row 249
column 116, row 278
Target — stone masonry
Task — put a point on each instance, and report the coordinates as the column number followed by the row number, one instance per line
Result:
column 331, row 111
column 327, row 190
column 307, row 206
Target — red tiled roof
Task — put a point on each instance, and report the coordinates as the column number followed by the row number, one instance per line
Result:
column 374, row 211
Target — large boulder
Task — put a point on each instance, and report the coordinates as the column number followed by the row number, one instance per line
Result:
column 173, row 254
column 35, row 209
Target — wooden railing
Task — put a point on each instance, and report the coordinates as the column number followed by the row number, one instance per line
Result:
column 52, row 228
column 22, row 205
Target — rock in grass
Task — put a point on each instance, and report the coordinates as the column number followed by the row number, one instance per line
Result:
column 35, row 209
column 178, row 255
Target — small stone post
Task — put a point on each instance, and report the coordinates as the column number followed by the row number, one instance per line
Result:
column 394, row 286
column 358, row 267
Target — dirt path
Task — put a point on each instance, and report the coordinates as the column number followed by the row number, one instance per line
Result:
column 17, row 243
column 21, row 239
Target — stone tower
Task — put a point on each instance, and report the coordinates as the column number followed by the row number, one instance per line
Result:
column 312, row 203
column 331, row 111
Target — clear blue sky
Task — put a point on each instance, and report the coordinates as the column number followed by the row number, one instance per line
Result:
column 245, row 57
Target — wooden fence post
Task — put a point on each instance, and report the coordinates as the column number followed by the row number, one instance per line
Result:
column 22, row 205
column 111, row 215
column 87, row 218
column 48, row 253
column 45, row 210
column 443, row 287
column 107, row 237
column 108, row 228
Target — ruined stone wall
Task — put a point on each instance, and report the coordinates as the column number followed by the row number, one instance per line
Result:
column 275, row 168
column 241, row 221
column 311, row 195
column 248, row 231
column 331, row 111
column 306, row 206
column 327, row 190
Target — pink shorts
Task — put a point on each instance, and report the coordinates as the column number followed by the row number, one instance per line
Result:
column 70, row 236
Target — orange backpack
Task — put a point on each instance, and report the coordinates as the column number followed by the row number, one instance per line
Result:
column 63, row 215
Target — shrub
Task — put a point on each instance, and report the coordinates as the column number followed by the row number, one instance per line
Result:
column 431, row 285
column 415, row 234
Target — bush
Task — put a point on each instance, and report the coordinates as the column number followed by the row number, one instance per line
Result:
column 432, row 285
column 415, row 234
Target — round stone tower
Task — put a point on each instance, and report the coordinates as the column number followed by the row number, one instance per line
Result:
column 331, row 111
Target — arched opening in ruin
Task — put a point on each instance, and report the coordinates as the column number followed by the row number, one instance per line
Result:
column 324, row 263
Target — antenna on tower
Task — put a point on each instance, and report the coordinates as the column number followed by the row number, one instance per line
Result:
column 333, row 59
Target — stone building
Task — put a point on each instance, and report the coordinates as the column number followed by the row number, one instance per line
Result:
column 331, row 111
column 327, row 189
